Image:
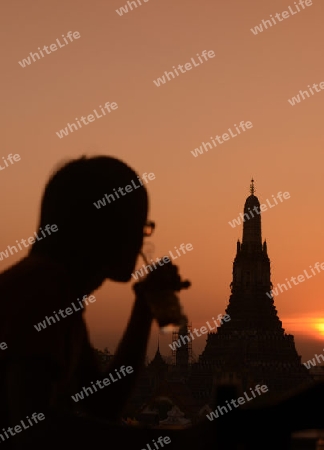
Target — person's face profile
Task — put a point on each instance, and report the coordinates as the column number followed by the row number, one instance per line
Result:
column 124, row 250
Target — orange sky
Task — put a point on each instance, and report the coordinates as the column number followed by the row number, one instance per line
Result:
column 154, row 129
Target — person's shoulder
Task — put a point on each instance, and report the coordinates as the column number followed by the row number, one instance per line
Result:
column 32, row 288
column 32, row 264
column 34, row 272
column 31, row 291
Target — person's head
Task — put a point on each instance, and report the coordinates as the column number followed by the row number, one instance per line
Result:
column 100, row 230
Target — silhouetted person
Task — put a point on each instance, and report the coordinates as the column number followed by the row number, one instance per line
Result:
column 41, row 370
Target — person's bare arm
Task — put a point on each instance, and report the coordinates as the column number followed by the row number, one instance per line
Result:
column 111, row 400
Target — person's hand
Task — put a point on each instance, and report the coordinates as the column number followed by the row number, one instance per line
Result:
column 158, row 288
column 162, row 278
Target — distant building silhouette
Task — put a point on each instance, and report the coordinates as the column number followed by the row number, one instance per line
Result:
column 182, row 356
column 252, row 348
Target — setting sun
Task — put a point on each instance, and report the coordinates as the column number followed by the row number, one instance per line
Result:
column 320, row 327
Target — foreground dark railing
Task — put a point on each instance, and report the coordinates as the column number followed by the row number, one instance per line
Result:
column 261, row 428
column 250, row 428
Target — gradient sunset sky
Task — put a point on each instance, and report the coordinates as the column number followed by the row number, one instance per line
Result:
column 155, row 129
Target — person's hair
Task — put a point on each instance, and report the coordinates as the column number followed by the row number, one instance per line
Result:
column 68, row 202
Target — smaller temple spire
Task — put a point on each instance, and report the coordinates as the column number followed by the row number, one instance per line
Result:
column 252, row 189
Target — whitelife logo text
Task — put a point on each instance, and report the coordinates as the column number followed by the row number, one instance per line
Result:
column 203, row 330
column 31, row 240
column 53, row 48
column 300, row 279
column 183, row 68
column 128, row 189
column 22, row 426
column 263, row 207
column 312, row 362
column 91, row 118
column 124, row 10
column 11, row 158
column 302, row 96
column 123, row 371
column 226, row 136
column 284, row 15
column 222, row 409
column 162, row 261
column 68, row 311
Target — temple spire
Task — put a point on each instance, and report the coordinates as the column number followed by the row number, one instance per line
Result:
column 252, row 222
column 252, row 189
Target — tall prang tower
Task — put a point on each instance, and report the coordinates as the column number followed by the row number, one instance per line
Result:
column 252, row 347
column 250, row 309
